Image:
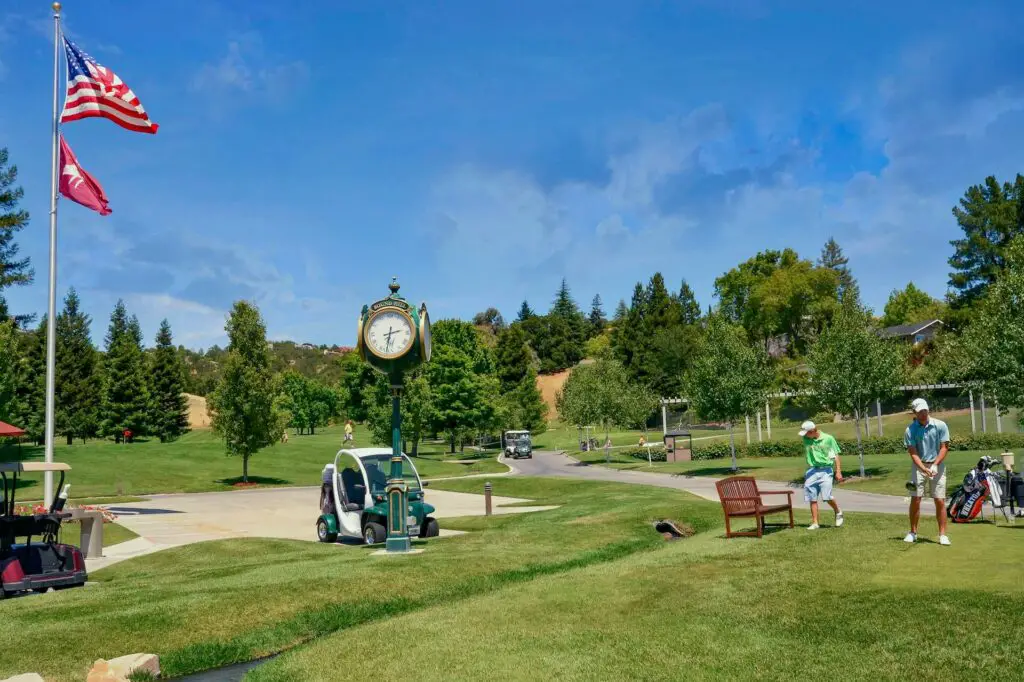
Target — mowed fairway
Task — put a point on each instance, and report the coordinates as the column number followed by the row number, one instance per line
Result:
column 852, row 603
column 197, row 463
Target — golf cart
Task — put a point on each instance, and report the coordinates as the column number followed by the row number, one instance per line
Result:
column 518, row 444
column 41, row 565
column 353, row 501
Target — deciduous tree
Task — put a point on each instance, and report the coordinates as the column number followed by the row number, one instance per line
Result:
column 244, row 409
column 729, row 378
column 910, row 305
column 852, row 366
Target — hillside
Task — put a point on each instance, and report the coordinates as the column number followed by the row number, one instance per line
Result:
column 315, row 362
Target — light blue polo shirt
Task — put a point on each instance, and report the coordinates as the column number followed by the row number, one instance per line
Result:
column 926, row 439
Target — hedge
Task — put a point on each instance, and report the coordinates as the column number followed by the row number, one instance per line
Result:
column 872, row 446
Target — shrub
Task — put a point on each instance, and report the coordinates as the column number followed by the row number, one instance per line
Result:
column 872, row 446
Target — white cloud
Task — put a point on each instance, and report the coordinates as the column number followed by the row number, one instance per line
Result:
column 248, row 69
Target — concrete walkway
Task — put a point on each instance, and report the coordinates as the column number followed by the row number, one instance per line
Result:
column 558, row 464
column 165, row 521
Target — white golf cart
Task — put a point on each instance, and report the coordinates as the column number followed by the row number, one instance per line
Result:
column 353, row 500
column 518, row 444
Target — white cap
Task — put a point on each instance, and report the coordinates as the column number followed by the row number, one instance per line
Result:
column 807, row 426
column 918, row 405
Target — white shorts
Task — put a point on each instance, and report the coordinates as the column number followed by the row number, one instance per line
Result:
column 935, row 486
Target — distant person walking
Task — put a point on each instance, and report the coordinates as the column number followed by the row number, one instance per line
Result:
column 348, row 431
column 927, row 442
column 822, row 452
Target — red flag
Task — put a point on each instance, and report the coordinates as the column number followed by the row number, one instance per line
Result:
column 76, row 184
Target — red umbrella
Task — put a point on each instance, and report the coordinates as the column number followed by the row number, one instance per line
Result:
column 8, row 431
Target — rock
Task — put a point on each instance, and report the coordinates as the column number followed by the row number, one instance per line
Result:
column 118, row 669
column 26, row 677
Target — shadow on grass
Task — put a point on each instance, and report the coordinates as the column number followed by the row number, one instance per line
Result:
column 722, row 471
column 769, row 529
column 254, row 481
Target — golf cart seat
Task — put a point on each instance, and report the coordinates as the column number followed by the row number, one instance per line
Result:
column 355, row 498
column 28, row 526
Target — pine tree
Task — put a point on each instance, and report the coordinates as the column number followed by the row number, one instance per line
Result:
column 832, row 257
column 688, row 304
column 9, row 360
column 31, row 397
column 245, row 406
column 125, row 404
column 621, row 310
column 597, row 319
column 990, row 215
column 14, row 271
column 525, row 312
column 77, row 383
column 512, row 358
column 565, row 309
column 169, row 418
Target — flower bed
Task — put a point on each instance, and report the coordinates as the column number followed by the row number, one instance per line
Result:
column 28, row 510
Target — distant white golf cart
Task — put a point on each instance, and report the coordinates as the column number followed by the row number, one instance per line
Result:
column 518, row 444
column 353, row 500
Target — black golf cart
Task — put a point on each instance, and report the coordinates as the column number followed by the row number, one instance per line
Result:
column 37, row 565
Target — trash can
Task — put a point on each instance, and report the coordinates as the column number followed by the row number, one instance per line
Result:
column 678, row 446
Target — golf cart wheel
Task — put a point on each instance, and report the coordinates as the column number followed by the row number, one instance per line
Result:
column 374, row 533
column 430, row 528
column 323, row 533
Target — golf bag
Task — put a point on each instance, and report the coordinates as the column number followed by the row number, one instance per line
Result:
column 979, row 484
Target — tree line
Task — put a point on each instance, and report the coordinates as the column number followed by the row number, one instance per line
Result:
column 124, row 388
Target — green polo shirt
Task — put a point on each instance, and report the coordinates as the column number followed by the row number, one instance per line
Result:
column 821, row 451
column 926, row 439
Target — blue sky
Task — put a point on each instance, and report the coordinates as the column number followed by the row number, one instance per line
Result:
column 483, row 150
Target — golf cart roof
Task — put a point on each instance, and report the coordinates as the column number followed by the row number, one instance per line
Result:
column 517, row 433
column 18, row 467
column 368, row 452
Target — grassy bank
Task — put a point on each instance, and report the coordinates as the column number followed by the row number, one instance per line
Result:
column 197, row 463
column 795, row 605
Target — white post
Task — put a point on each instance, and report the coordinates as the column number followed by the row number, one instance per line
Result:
column 732, row 445
column 747, row 418
column 768, row 419
column 759, row 426
column 878, row 413
column 51, row 320
column 974, row 426
column 860, row 448
column 664, row 418
column 984, row 418
column 999, row 419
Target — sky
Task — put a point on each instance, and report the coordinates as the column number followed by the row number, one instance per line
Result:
column 482, row 151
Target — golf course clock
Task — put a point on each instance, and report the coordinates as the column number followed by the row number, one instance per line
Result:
column 394, row 338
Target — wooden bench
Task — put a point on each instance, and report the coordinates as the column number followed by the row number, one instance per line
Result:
column 741, row 498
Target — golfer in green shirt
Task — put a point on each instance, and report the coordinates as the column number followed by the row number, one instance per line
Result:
column 822, row 452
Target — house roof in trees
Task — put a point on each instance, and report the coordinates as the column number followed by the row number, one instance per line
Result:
column 902, row 330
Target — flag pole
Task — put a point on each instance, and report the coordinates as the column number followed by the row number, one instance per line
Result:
column 51, row 319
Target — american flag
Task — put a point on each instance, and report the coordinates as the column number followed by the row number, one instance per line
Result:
column 95, row 90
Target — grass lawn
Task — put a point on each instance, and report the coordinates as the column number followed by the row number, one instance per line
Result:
column 854, row 603
column 886, row 474
column 197, row 463
column 586, row 591
column 215, row 603
column 562, row 437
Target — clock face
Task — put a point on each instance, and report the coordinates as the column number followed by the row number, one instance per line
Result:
column 425, row 324
column 389, row 334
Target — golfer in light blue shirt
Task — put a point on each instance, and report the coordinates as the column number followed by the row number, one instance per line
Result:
column 927, row 442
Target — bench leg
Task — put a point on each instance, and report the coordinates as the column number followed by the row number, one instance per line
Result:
column 790, row 516
column 760, row 525
column 728, row 531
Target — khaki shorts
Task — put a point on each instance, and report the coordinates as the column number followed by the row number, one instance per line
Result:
column 935, row 486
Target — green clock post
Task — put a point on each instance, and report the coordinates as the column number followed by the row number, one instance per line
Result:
column 394, row 338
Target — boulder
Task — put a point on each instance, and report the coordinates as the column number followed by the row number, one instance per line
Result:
column 118, row 669
column 26, row 677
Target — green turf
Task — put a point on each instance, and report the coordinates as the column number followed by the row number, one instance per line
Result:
column 854, row 603
column 885, row 474
column 220, row 602
column 197, row 463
